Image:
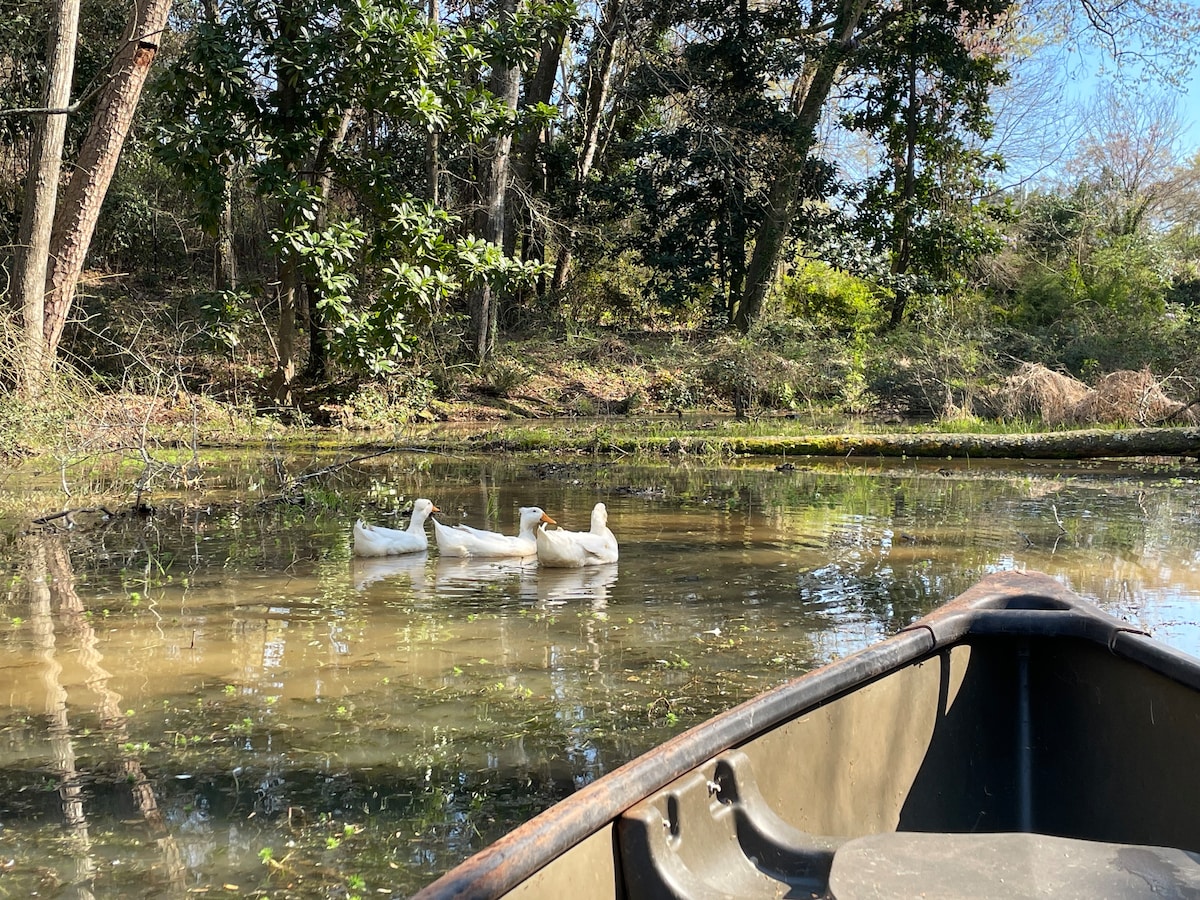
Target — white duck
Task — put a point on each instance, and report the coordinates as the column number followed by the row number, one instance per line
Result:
column 465, row 541
column 376, row 540
column 569, row 549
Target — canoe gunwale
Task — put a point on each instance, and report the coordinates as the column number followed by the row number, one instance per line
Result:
column 1140, row 648
column 503, row 865
column 1004, row 604
column 1000, row 606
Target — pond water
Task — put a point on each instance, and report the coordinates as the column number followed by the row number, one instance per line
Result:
column 218, row 698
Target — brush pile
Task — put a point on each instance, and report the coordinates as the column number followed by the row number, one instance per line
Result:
column 1136, row 398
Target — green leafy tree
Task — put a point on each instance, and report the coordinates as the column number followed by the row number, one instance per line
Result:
column 702, row 157
column 724, row 157
column 925, row 100
column 274, row 89
column 838, row 38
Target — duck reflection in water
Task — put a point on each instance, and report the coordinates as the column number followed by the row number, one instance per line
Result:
column 558, row 586
column 366, row 571
column 462, row 575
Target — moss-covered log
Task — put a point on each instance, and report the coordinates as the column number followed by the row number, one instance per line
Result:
column 1083, row 444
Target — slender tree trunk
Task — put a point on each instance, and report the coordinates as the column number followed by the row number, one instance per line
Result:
column 225, row 269
column 736, row 198
column 285, row 344
column 98, row 157
column 599, row 80
column 906, row 179
column 225, row 274
column 319, row 362
column 529, row 165
column 289, row 110
column 433, row 166
column 41, row 193
column 489, row 219
column 735, row 249
column 783, row 198
column 539, row 89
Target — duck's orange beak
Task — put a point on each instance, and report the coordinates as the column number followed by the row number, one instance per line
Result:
column 435, row 509
column 546, row 518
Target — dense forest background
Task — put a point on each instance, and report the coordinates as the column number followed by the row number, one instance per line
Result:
column 864, row 204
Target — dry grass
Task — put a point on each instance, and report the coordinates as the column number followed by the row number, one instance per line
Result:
column 1035, row 392
column 1131, row 397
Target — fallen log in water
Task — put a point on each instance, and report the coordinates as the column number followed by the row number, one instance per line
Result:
column 1092, row 443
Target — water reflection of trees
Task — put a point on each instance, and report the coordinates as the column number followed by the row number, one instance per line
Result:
column 56, row 610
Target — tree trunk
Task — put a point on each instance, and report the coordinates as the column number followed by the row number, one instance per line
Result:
column 80, row 208
column 505, row 84
column 906, row 178
column 782, row 199
column 539, row 89
column 225, row 273
column 432, row 142
column 529, row 167
column 1092, row 443
column 289, row 110
column 319, row 362
column 41, row 193
column 285, row 344
column 433, row 167
column 225, row 269
column 595, row 96
column 735, row 268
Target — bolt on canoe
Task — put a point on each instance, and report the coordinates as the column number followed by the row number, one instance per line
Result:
column 1017, row 742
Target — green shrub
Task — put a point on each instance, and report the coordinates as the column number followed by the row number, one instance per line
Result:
column 612, row 291
column 398, row 400
column 675, row 390
column 746, row 375
column 937, row 365
column 499, row 379
column 831, row 298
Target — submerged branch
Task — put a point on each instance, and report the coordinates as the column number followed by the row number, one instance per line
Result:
column 51, row 519
column 328, row 470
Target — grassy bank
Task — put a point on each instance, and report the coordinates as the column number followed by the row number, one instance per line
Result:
column 654, row 393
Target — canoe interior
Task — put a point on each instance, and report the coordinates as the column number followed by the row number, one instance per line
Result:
column 997, row 734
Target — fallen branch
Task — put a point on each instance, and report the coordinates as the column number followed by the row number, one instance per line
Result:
column 69, row 515
column 289, row 489
column 1183, row 407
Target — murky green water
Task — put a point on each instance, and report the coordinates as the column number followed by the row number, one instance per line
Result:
column 218, row 698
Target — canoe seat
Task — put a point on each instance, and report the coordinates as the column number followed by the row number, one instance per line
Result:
column 1008, row 866
column 711, row 834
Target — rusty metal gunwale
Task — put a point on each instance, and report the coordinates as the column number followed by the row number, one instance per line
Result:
column 1140, row 648
column 503, row 865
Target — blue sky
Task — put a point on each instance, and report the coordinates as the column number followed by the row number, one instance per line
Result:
column 1088, row 77
column 1042, row 120
column 1190, row 108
